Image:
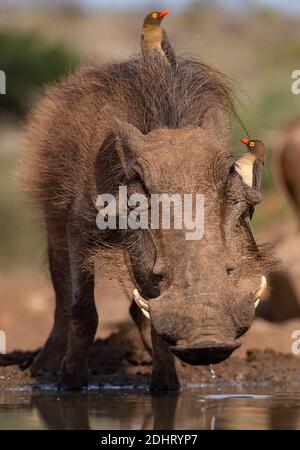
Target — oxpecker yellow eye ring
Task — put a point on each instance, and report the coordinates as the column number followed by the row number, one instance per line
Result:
column 155, row 15
column 252, row 144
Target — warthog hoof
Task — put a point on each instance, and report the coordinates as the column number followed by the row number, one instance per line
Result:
column 49, row 359
column 74, row 374
column 161, row 382
column 72, row 381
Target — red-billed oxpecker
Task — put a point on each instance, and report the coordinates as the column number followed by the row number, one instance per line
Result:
column 155, row 39
column 250, row 167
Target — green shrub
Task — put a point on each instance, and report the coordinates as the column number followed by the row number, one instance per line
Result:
column 29, row 62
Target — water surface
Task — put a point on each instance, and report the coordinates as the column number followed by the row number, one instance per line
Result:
column 198, row 408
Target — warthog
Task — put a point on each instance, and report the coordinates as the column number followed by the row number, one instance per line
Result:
column 142, row 125
column 287, row 160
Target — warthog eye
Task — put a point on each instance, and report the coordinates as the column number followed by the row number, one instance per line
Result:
column 138, row 180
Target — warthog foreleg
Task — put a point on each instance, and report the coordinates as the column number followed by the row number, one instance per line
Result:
column 83, row 324
column 48, row 361
column 164, row 373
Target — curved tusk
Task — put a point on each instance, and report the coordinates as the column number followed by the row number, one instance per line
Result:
column 140, row 300
column 142, row 303
column 259, row 292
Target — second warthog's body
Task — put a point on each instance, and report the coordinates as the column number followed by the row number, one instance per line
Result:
column 287, row 162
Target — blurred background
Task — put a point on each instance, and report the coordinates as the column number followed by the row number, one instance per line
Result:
column 257, row 42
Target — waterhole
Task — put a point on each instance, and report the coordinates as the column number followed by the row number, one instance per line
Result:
column 196, row 408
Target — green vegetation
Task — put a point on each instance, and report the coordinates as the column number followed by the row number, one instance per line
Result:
column 20, row 240
column 30, row 62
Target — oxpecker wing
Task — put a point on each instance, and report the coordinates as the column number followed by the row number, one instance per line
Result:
column 168, row 50
column 257, row 174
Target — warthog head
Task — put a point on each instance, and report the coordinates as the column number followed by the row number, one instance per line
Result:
column 191, row 289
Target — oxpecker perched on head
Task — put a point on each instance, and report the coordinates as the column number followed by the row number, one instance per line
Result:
column 155, row 39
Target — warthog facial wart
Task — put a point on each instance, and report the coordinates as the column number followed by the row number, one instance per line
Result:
column 296, row 344
column 2, row 342
column 2, row 82
column 138, row 211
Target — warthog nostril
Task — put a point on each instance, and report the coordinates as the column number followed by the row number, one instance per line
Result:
column 204, row 353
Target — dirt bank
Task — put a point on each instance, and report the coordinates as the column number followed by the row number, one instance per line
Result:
column 120, row 360
column 118, row 357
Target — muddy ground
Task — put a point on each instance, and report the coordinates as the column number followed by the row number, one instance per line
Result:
column 120, row 360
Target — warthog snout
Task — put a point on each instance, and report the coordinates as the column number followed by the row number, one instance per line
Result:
column 206, row 352
column 201, row 329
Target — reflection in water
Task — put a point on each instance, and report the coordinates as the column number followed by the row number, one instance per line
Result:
column 198, row 408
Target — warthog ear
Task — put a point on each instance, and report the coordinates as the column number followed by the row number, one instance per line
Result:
column 127, row 131
column 129, row 142
column 122, row 144
column 117, row 153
